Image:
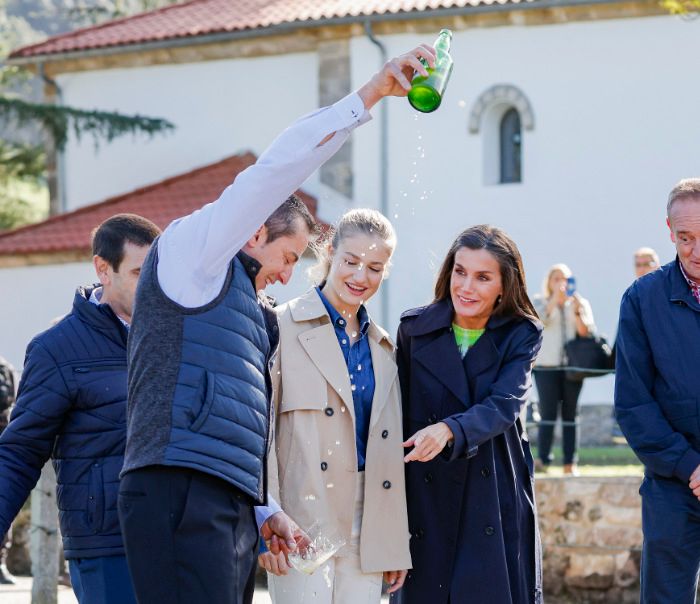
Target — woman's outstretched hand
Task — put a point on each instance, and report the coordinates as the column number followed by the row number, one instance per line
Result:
column 428, row 442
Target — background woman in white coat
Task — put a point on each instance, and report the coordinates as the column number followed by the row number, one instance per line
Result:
column 564, row 314
column 338, row 455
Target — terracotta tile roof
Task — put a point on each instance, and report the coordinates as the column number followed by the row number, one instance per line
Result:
column 202, row 17
column 161, row 202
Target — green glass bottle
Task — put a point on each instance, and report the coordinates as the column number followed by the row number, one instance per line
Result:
column 426, row 92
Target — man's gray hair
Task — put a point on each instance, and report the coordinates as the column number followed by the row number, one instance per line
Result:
column 688, row 188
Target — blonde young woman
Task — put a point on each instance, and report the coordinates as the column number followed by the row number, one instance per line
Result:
column 337, row 455
column 565, row 314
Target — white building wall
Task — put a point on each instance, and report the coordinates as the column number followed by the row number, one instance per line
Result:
column 612, row 135
column 219, row 108
column 33, row 297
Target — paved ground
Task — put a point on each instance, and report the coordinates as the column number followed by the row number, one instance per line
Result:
column 22, row 593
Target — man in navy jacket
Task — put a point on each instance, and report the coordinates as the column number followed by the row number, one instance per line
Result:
column 657, row 401
column 71, row 407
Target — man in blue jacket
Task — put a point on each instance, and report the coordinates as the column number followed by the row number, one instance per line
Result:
column 71, row 407
column 657, row 401
column 7, row 399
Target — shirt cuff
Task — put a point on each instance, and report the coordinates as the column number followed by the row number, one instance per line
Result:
column 263, row 512
column 351, row 111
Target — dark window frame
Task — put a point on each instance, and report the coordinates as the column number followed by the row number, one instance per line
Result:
column 510, row 137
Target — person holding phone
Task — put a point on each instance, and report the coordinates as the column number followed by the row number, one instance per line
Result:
column 565, row 314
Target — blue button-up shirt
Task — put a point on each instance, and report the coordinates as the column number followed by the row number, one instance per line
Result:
column 358, row 359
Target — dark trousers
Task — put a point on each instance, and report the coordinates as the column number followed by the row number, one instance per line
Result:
column 671, row 550
column 103, row 580
column 190, row 537
column 556, row 391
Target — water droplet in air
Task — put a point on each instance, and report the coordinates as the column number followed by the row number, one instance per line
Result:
column 310, row 498
column 462, row 104
column 396, row 215
column 330, row 485
column 359, row 367
column 353, row 387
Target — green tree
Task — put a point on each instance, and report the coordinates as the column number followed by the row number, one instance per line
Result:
column 685, row 8
column 30, row 127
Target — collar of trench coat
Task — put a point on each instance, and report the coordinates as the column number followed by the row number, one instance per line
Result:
column 433, row 326
column 321, row 344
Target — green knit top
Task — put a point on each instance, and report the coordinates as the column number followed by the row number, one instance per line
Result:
column 465, row 338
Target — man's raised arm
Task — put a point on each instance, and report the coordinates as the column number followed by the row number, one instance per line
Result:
column 194, row 252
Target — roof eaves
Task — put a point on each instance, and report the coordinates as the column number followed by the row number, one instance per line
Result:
column 472, row 7
column 243, row 156
column 106, row 25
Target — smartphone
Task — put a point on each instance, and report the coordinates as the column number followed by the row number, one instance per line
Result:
column 570, row 286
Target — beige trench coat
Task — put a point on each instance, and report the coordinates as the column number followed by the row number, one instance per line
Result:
column 313, row 460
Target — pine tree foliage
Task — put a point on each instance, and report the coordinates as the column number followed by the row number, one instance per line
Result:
column 25, row 123
column 58, row 120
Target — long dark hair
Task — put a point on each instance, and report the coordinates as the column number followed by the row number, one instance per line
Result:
column 514, row 299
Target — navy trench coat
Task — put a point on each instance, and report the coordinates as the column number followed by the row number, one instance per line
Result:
column 471, row 510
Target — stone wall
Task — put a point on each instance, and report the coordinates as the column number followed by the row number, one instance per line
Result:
column 592, row 537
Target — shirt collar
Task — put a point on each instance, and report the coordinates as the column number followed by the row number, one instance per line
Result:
column 95, row 298
column 336, row 317
column 691, row 283
column 694, row 287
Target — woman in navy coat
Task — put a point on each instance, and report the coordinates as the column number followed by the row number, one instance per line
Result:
column 464, row 363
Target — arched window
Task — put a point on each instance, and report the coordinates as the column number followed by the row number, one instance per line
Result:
column 510, row 138
column 502, row 115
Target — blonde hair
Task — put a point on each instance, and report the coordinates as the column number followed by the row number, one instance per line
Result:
column 361, row 221
column 562, row 268
column 648, row 252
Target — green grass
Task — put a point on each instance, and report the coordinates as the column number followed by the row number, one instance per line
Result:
column 599, row 461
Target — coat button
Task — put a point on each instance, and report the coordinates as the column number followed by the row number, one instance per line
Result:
column 489, row 530
column 432, row 419
column 385, row 433
column 428, row 477
column 329, row 411
column 386, row 484
column 324, row 466
column 485, row 472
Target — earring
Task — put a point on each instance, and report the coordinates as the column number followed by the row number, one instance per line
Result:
column 498, row 300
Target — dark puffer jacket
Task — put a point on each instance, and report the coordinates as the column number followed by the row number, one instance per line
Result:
column 71, row 407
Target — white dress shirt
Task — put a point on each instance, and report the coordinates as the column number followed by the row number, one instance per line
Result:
column 194, row 252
